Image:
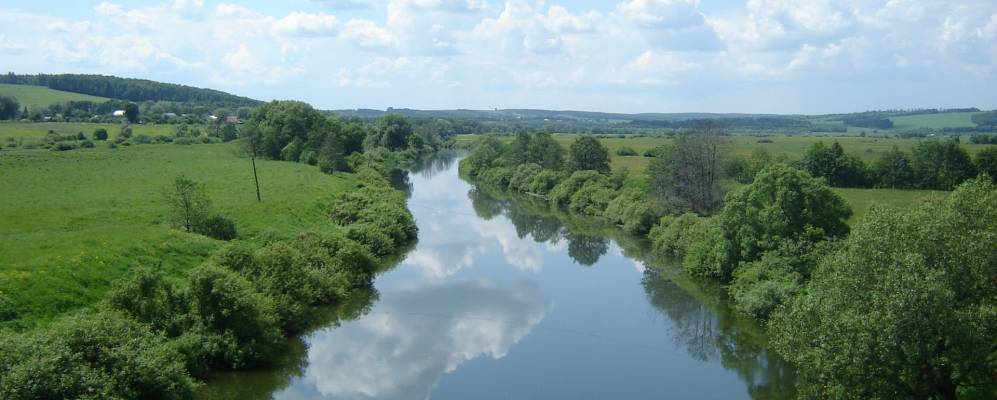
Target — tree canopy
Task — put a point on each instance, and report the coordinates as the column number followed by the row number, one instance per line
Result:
column 587, row 153
column 906, row 308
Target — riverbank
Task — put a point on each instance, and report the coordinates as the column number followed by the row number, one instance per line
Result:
column 232, row 309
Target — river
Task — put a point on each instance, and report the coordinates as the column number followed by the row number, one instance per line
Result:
column 501, row 300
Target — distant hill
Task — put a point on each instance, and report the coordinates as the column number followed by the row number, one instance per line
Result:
column 39, row 97
column 129, row 89
column 564, row 115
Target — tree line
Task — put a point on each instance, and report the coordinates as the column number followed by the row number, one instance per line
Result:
column 128, row 88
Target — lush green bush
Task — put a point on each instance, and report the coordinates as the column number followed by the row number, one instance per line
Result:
column 86, row 144
column 217, row 226
column 672, row 236
column 100, row 134
column 561, row 194
column 762, row 285
column 63, row 146
column 238, row 326
column 626, row 151
column 92, row 356
column 487, row 153
column 831, row 163
column 631, row 210
column 375, row 212
column 7, row 309
column 657, row 151
column 542, row 182
column 497, row 176
column 782, row 203
column 986, row 162
column 592, row 198
column 523, row 174
column 905, row 308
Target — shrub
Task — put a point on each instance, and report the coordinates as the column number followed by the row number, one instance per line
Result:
column 673, row 235
column 561, row 194
column 542, row 182
column 86, row 144
column 782, row 203
column 183, row 141
column 142, row 139
column 498, row 177
column 374, row 239
column 657, row 151
column 63, row 146
column 125, row 133
column 81, row 136
column 102, row 355
column 217, row 226
column 238, row 326
column 523, row 174
column 626, row 151
column 592, row 198
column 100, row 134
column 631, row 210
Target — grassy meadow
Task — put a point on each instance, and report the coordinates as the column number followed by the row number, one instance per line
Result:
column 39, row 97
column 74, row 221
column 34, row 130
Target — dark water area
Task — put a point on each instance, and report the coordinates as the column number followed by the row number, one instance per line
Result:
column 502, row 300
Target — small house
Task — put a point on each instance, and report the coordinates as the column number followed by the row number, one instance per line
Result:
column 119, row 113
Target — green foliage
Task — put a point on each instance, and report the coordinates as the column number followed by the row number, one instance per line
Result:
column 217, row 226
column 9, row 108
column 92, row 356
column 986, row 162
column 392, row 132
column 544, row 150
column 631, row 210
column 592, row 197
column 131, row 112
column 524, row 173
column 941, row 164
column 762, row 285
column 187, row 203
column 587, row 153
column 893, row 170
column 626, row 151
column 831, row 163
column 658, row 151
column 673, row 236
column 238, row 326
column 378, row 214
column 688, row 173
column 562, row 193
column 905, row 308
column 783, row 203
column 487, row 153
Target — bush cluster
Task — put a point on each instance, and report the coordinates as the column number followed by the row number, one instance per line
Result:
column 375, row 214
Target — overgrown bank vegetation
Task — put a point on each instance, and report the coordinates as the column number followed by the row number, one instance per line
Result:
column 850, row 310
column 155, row 331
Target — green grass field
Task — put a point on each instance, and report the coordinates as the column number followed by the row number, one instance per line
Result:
column 39, row 97
column 71, row 222
column 33, row 130
column 934, row 121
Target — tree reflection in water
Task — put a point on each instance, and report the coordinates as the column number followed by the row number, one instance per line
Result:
column 709, row 330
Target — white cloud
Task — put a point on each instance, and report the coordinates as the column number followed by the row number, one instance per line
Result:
column 307, row 24
column 531, row 53
column 367, row 34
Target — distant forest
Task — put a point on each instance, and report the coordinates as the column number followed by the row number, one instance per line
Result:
column 137, row 90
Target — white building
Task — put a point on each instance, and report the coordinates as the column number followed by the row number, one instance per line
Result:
column 119, row 113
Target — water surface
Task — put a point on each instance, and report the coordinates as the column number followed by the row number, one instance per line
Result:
column 502, row 301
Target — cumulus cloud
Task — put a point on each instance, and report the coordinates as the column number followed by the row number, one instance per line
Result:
column 307, row 24
column 524, row 53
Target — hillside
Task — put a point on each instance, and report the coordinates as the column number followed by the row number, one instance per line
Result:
column 129, row 89
column 39, row 97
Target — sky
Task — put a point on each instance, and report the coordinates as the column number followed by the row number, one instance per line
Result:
column 753, row 56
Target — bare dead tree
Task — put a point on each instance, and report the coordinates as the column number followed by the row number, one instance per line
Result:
column 688, row 174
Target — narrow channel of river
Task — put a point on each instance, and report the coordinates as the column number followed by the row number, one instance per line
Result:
column 500, row 301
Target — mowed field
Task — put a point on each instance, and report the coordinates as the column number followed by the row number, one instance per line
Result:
column 867, row 148
column 40, row 97
column 35, row 130
column 71, row 222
